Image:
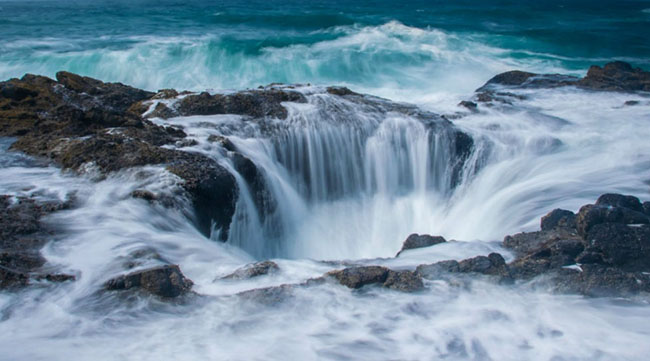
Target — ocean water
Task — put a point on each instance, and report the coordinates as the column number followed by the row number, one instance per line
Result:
column 351, row 182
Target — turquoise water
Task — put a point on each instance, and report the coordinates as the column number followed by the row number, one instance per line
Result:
column 382, row 47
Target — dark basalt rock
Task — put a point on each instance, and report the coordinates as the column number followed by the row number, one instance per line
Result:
column 77, row 121
column 591, row 215
column 600, row 281
column 471, row 106
column 254, row 103
column 164, row 281
column 438, row 270
column 646, row 208
column 558, row 218
column 254, row 270
column 616, row 76
column 340, row 91
column 419, row 241
column 21, row 237
column 404, row 281
column 529, row 242
column 619, row 245
column 357, row 277
column 610, row 243
column 619, row 200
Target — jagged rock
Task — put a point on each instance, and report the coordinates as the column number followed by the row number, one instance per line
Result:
column 162, row 111
column 558, row 218
column 254, row 103
column 553, row 254
column 404, row 281
column 166, row 94
column 493, row 265
column 591, row 215
column 598, row 281
column 357, row 277
column 419, row 241
column 529, row 242
column 619, row 245
column 471, row 106
column 164, row 281
column 21, row 237
column 340, row 91
column 618, row 75
column 614, row 76
column 619, row 200
column 437, row 270
column 254, row 270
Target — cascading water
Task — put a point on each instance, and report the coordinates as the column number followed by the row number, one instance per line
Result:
column 335, row 172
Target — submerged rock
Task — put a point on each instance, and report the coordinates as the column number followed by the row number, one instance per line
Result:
column 22, row 235
column 164, row 281
column 254, row 270
column 419, row 241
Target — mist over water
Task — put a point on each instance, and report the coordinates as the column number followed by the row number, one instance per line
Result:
column 349, row 181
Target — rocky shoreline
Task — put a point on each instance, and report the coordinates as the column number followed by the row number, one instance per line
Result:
column 88, row 126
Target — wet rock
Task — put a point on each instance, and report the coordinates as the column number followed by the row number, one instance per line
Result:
column 438, row 270
column 619, row 200
column 269, row 295
column 558, row 218
column 21, row 237
column 514, row 77
column 529, row 242
column 591, row 215
column 616, row 76
column 56, row 278
column 144, row 194
column 166, row 94
column 646, row 208
column 164, row 281
column 254, row 103
column 631, row 103
column 419, row 241
column 340, row 91
column 492, row 265
column 254, row 270
column 404, row 281
column 161, row 110
column 625, row 247
column 597, row 281
column 357, row 277
column 471, row 106
column 553, row 254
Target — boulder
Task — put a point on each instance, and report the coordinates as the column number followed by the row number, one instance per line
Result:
column 404, row 281
column 619, row 245
column 558, row 218
column 357, row 277
column 419, row 241
column 616, row 76
column 619, row 200
column 530, row 242
column 165, row 281
column 254, row 270
column 591, row 215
